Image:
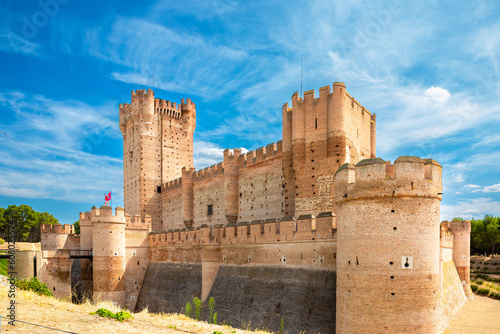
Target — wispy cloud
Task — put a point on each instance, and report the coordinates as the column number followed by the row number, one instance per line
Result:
column 48, row 150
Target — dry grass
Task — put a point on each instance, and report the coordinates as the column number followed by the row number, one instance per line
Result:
column 61, row 314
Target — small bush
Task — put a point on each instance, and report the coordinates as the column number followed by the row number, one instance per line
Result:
column 474, row 287
column 197, row 308
column 188, row 310
column 2, row 241
column 34, row 285
column 472, row 261
column 479, row 282
column 121, row 316
column 483, row 291
column 211, row 309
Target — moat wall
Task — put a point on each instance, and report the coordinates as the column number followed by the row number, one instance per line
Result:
column 256, row 295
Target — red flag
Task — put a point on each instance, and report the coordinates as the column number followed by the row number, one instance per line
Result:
column 107, row 198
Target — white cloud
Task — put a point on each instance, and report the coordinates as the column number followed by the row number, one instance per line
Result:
column 48, row 150
column 437, row 94
column 492, row 189
column 470, row 208
column 471, row 186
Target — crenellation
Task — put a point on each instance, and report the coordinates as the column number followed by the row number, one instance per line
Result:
column 376, row 178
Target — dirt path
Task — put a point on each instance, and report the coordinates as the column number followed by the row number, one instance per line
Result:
column 480, row 316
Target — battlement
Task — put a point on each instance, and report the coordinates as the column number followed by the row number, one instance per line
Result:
column 324, row 93
column 142, row 94
column 376, row 178
column 174, row 184
column 137, row 222
column 209, row 172
column 188, row 105
column 305, row 228
column 261, row 154
column 231, row 155
column 164, row 107
column 58, row 228
column 446, row 236
column 460, row 226
column 104, row 214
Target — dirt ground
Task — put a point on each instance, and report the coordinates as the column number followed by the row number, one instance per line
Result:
column 74, row 318
column 479, row 316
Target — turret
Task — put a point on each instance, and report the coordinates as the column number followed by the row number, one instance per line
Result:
column 188, row 196
column 188, row 110
column 388, row 246
column 461, row 252
column 108, row 238
column 231, row 184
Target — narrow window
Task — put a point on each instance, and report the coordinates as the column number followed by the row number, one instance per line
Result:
column 210, row 209
column 316, row 124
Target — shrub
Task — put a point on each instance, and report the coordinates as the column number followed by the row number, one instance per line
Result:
column 484, row 291
column 188, row 310
column 197, row 308
column 2, row 241
column 472, row 261
column 474, row 287
column 479, row 282
column 211, row 309
column 121, row 316
column 34, row 285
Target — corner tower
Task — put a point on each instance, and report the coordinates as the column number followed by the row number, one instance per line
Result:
column 108, row 238
column 157, row 144
column 319, row 135
column 388, row 275
column 461, row 252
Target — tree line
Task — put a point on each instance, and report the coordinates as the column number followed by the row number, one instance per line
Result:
column 485, row 235
column 26, row 222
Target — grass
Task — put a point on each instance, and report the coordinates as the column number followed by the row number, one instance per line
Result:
column 62, row 314
column 3, row 267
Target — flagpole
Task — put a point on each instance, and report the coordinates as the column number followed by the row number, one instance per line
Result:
column 111, row 195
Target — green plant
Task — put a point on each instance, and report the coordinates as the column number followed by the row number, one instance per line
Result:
column 188, row 310
column 215, row 318
column 211, row 309
column 2, row 241
column 473, row 287
column 34, row 285
column 197, row 308
column 217, row 332
column 484, row 291
column 121, row 316
column 282, row 325
column 479, row 282
column 172, row 327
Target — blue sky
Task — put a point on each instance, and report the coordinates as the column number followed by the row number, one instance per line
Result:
column 429, row 71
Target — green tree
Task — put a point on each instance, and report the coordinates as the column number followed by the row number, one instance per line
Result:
column 26, row 222
column 77, row 227
column 485, row 235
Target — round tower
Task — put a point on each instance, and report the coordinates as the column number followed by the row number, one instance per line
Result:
column 108, row 239
column 55, row 236
column 188, row 114
column 461, row 252
column 388, row 246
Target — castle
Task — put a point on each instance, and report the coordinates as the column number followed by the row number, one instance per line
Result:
column 313, row 229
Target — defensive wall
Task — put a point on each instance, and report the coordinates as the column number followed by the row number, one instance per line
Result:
column 244, row 187
column 275, row 269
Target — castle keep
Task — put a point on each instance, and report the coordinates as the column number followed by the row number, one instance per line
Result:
column 313, row 229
